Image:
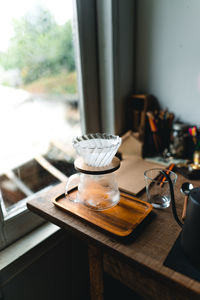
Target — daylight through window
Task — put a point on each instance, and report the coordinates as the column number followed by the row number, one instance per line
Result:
column 39, row 113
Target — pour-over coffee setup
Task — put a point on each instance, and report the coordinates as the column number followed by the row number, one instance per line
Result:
column 148, row 249
column 95, row 189
column 97, row 186
column 93, row 193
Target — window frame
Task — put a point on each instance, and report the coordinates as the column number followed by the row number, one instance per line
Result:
column 104, row 55
column 107, row 62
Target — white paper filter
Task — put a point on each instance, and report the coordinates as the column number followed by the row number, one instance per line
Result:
column 97, row 149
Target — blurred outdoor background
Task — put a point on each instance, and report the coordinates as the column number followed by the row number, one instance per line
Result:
column 38, row 85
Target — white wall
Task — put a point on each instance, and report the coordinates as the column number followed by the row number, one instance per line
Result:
column 168, row 54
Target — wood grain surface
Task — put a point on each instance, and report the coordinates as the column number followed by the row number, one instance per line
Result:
column 138, row 260
column 95, row 258
column 120, row 220
column 130, row 175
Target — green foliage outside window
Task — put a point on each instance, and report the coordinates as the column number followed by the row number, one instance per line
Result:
column 40, row 47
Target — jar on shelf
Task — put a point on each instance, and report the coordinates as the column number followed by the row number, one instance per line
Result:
column 178, row 142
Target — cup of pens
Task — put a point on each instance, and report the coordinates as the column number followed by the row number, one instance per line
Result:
column 157, row 186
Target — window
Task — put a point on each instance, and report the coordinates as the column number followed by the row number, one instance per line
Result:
column 38, row 107
column 104, row 61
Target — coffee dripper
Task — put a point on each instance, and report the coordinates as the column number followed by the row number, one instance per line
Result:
column 97, row 186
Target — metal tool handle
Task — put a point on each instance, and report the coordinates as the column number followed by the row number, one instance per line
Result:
column 172, row 199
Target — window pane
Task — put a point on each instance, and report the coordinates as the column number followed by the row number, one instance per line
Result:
column 39, row 112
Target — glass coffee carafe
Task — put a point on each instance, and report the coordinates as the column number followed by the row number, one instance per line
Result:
column 97, row 186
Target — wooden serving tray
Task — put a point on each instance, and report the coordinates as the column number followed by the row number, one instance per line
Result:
column 120, row 220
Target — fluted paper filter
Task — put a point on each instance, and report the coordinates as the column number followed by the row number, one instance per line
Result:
column 97, row 150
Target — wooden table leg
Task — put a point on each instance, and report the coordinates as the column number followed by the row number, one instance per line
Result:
column 95, row 259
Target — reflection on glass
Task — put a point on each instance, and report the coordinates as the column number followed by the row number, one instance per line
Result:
column 39, row 113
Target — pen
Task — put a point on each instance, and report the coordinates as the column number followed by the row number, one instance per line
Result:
column 154, row 131
column 167, row 172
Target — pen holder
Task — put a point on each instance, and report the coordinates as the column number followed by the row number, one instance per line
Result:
column 157, row 134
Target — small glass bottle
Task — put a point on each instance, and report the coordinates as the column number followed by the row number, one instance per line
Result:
column 196, row 157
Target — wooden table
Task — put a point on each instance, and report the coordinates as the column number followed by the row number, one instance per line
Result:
column 138, row 261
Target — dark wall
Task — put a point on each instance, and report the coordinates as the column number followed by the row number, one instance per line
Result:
column 60, row 273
